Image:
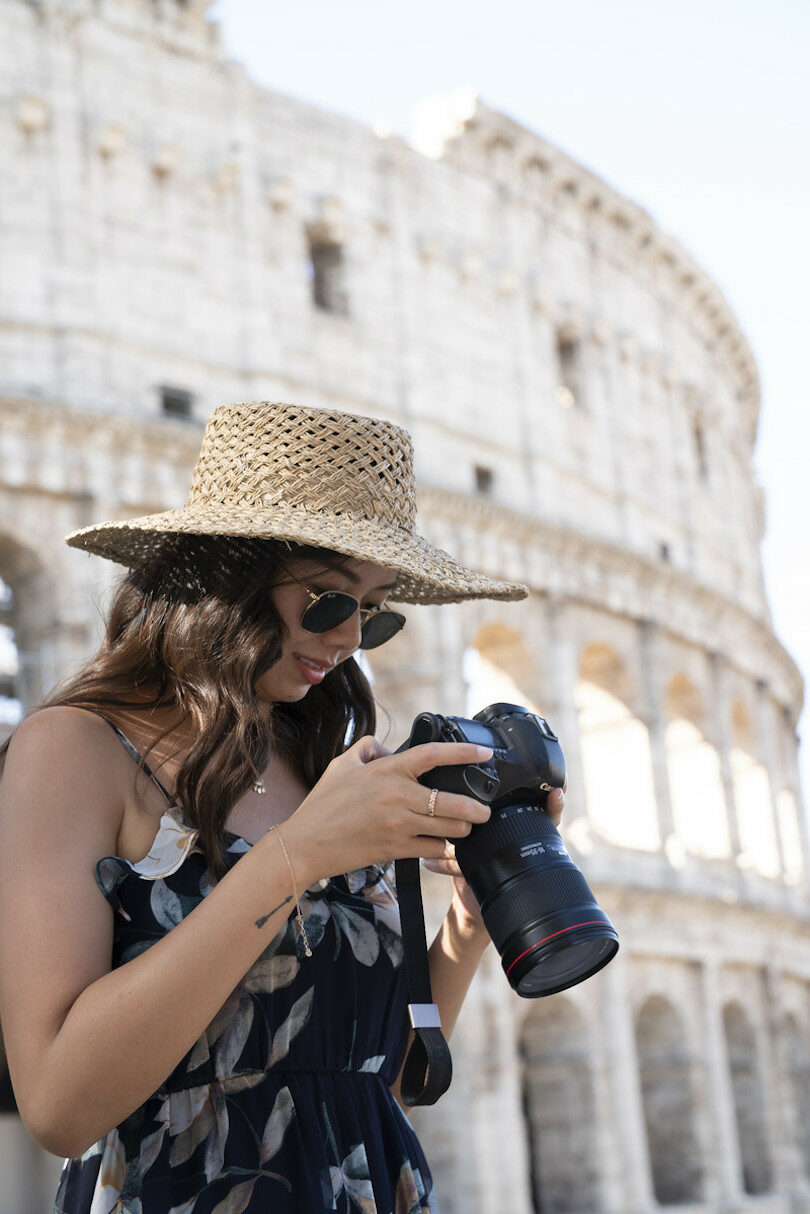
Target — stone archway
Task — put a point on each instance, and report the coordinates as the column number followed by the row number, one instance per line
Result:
column 749, row 1102
column 33, row 632
column 498, row 665
column 615, row 747
column 558, row 1097
column 700, row 819
column 11, row 706
column 665, row 1071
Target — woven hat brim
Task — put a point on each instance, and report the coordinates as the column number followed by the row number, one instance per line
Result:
column 427, row 574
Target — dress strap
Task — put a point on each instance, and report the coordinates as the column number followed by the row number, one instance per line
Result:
column 136, row 756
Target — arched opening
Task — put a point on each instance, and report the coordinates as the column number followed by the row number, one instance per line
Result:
column 796, row 1064
column 752, row 797
column 695, row 781
column 749, row 1104
column 558, row 1101
column 33, row 638
column 665, row 1070
column 11, row 704
column 615, row 748
column 499, row 666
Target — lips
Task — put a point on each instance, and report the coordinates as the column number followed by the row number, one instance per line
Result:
column 324, row 666
column 314, row 673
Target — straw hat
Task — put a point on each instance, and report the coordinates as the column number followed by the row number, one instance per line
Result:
column 313, row 476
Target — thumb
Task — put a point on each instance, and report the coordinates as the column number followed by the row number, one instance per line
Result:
column 368, row 748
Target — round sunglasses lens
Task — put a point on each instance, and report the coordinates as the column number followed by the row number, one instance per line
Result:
column 331, row 609
column 380, row 628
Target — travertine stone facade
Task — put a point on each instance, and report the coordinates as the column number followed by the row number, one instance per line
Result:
column 584, row 408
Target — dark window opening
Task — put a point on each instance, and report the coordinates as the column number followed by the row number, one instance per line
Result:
column 327, row 270
column 569, row 391
column 483, row 479
column 664, row 552
column 176, row 402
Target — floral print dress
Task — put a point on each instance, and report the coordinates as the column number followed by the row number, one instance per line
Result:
column 283, row 1105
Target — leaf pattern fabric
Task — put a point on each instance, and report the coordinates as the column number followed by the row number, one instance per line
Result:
column 283, row 1105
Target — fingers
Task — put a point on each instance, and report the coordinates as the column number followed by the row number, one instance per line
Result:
column 449, row 805
column 366, row 749
column 449, row 828
column 420, row 759
column 555, row 805
column 447, row 865
column 427, row 848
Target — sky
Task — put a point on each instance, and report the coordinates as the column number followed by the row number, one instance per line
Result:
column 697, row 111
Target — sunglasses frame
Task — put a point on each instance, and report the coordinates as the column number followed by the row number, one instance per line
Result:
column 366, row 613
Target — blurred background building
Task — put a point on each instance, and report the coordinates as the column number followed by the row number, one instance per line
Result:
column 584, row 408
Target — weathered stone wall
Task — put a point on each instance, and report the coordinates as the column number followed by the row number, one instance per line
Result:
column 584, row 409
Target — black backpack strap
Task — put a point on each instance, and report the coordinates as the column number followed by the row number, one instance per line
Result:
column 136, row 756
column 428, row 1067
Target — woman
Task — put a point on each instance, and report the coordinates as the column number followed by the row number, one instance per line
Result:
column 223, row 1030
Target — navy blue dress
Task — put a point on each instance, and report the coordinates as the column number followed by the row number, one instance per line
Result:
column 283, row 1105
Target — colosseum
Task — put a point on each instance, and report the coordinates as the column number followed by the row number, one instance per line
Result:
column 584, row 408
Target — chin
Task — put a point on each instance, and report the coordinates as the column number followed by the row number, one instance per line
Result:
column 280, row 695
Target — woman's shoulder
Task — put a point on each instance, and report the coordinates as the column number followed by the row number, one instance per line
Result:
column 61, row 725
column 91, row 729
column 64, row 738
column 61, row 767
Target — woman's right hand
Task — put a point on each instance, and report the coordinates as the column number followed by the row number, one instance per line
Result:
column 368, row 806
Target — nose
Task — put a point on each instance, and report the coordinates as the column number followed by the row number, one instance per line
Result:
column 349, row 633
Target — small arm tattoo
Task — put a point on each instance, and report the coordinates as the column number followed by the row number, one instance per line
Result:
column 261, row 922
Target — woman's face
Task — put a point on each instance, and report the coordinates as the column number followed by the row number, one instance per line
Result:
column 290, row 678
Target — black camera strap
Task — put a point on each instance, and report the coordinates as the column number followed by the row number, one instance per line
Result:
column 428, row 1067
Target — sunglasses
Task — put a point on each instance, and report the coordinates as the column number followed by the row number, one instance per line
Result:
column 332, row 608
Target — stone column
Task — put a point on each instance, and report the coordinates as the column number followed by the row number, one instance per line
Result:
column 794, row 783
column 652, row 670
column 475, row 1137
column 563, row 664
column 726, row 1153
column 719, row 699
column 409, row 674
column 788, row 1173
column 632, row 1176
column 766, row 746
column 449, row 625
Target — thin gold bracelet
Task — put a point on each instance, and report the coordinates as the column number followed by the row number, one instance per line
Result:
column 298, row 914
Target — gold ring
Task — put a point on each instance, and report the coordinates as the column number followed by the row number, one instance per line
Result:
column 434, row 792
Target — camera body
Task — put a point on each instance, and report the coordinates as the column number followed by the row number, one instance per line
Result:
column 527, row 761
column 535, row 903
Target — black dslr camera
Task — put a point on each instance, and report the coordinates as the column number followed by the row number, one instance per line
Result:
column 536, row 904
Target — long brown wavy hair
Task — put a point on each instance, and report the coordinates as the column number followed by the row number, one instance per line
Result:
column 192, row 630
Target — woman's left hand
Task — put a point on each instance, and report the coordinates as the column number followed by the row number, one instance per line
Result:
column 464, row 901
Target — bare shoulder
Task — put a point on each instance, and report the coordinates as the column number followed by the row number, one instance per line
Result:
column 71, row 735
column 63, row 767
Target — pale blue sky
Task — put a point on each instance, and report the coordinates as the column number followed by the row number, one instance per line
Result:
column 698, row 111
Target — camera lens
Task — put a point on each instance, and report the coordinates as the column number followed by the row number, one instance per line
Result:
column 535, row 903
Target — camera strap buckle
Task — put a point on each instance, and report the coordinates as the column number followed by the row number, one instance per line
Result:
column 424, row 1016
